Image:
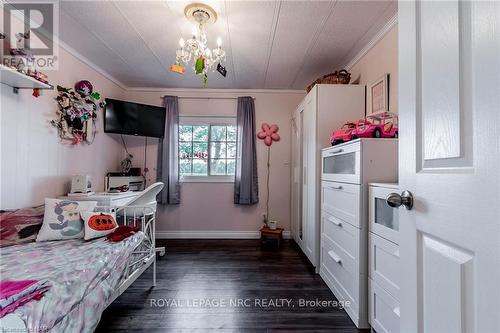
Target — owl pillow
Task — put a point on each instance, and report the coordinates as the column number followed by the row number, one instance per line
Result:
column 62, row 219
column 98, row 224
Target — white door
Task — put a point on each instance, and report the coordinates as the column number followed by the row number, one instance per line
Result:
column 449, row 104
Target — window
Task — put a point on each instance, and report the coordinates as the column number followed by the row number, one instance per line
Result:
column 207, row 149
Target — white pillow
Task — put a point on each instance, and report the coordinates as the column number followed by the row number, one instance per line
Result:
column 62, row 219
column 98, row 224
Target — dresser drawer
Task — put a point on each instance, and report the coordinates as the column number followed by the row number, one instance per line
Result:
column 383, row 219
column 342, row 233
column 384, row 264
column 383, row 309
column 342, row 163
column 342, row 266
column 342, row 200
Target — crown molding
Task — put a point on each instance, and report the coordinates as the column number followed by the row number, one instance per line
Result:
column 210, row 234
column 216, row 91
column 393, row 21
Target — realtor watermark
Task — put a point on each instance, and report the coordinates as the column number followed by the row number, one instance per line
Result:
column 39, row 329
column 248, row 303
column 29, row 35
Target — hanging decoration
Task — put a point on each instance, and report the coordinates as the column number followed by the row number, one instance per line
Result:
column 268, row 134
column 195, row 50
column 77, row 112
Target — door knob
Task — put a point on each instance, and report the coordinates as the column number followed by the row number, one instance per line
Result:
column 395, row 200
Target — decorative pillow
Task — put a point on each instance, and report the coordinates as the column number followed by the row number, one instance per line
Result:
column 98, row 224
column 20, row 225
column 62, row 219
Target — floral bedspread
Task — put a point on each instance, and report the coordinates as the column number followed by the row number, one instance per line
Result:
column 82, row 274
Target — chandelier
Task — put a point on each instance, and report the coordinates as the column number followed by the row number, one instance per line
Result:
column 195, row 52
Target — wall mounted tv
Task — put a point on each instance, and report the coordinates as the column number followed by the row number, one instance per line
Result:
column 129, row 118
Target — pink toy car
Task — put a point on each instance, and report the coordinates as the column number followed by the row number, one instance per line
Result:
column 343, row 134
column 378, row 125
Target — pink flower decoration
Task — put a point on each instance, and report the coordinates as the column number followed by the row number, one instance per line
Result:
column 269, row 133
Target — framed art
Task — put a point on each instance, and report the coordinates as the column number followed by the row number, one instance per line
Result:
column 379, row 95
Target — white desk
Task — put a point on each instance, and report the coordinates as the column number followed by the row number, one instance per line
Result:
column 107, row 199
column 114, row 200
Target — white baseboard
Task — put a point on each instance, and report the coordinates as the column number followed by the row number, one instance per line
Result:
column 220, row 234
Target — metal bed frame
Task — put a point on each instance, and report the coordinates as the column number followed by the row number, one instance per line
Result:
column 144, row 254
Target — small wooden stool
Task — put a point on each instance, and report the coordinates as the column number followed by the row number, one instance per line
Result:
column 266, row 232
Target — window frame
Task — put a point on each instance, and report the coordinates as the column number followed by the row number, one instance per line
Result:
column 206, row 121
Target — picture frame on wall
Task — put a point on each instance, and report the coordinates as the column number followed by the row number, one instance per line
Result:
column 379, row 95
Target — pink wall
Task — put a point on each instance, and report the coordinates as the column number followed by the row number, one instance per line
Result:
column 209, row 206
column 381, row 59
column 35, row 164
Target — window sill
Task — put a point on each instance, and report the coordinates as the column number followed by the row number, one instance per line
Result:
column 207, row 179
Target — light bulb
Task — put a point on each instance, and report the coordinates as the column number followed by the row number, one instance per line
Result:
column 219, row 42
column 208, row 53
column 181, row 42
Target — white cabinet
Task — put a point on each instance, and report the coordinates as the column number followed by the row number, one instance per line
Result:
column 346, row 170
column 384, row 261
column 324, row 109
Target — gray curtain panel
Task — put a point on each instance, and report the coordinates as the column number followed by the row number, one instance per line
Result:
column 246, row 186
column 168, row 153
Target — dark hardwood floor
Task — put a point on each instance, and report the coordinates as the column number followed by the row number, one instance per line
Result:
column 219, row 274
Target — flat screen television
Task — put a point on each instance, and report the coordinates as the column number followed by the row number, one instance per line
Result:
column 129, row 118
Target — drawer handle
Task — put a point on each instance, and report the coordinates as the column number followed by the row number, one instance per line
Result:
column 396, row 311
column 335, row 257
column 334, row 221
column 336, row 187
column 336, row 151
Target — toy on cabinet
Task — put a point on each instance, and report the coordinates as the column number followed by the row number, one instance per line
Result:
column 344, row 134
column 377, row 125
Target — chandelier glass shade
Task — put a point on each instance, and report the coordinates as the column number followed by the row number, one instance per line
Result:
column 195, row 52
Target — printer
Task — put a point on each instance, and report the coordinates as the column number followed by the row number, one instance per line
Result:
column 122, row 182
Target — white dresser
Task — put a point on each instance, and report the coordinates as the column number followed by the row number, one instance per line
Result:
column 346, row 171
column 384, row 263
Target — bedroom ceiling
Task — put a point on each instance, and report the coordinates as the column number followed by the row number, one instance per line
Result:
column 269, row 44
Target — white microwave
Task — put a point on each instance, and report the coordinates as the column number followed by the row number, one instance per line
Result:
column 341, row 163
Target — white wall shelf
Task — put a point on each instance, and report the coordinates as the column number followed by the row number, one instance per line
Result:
column 16, row 80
